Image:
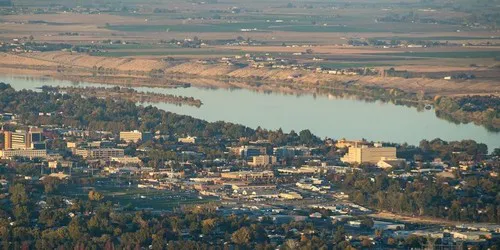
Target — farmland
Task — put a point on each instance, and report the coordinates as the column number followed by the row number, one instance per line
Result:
column 131, row 38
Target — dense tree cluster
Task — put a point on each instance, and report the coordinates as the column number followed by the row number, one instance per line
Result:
column 57, row 222
column 453, row 151
column 479, row 109
column 474, row 198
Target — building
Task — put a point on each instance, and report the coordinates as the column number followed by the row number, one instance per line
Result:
column 343, row 143
column 189, row 139
column 248, row 151
column 291, row 196
column 126, row 160
column 22, row 139
column 247, row 175
column 135, row 136
column 365, row 154
column 288, row 151
column 263, row 160
column 53, row 164
column 28, row 153
column 99, row 153
column 304, row 170
column 390, row 163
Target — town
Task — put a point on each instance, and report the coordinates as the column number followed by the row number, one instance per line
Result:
column 324, row 191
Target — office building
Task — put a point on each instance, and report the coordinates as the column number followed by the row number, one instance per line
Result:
column 22, row 139
column 365, row 154
column 135, row 136
column 263, row 160
column 27, row 153
column 99, row 153
column 126, row 160
column 248, row 151
column 247, row 175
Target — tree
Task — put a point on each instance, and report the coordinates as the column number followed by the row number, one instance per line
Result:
column 241, row 236
column 339, row 235
column 291, row 244
column 208, row 225
column 306, row 137
column 496, row 152
column 367, row 223
column 95, row 196
column 76, row 228
column 18, row 194
column 51, row 185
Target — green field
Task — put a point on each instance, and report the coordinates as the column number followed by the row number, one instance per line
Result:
column 139, row 198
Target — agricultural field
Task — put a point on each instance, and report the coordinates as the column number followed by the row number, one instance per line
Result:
column 140, row 36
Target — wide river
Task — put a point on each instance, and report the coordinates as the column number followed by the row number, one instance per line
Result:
column 324, row 116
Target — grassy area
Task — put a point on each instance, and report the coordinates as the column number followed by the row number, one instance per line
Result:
column 138, row 197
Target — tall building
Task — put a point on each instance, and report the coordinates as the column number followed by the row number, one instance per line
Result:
column 135, row 136
column 22, row 139
column 365, row 154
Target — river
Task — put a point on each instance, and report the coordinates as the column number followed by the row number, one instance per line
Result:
column 325, row 116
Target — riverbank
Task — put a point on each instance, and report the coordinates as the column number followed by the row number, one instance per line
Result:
column 419, row 93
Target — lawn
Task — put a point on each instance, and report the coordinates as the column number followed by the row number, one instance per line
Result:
column 140, row 198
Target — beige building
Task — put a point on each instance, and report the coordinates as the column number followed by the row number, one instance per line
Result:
column 99, row 153
column 366, row 154
column 263, row 160
column 291, row 196
column 28, row 153
column 188, row 139
column 246, row 175
column 135, row 136
column 126, row 160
